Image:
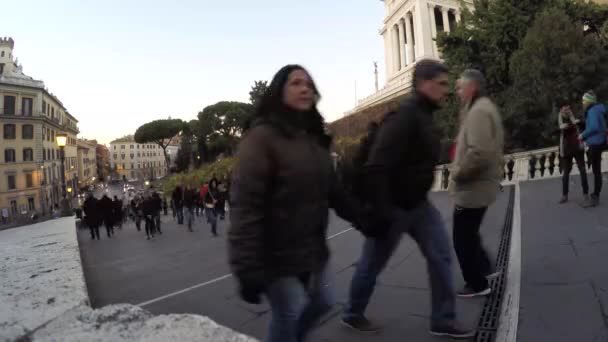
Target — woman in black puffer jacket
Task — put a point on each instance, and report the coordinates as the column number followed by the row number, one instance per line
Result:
column 283, row 185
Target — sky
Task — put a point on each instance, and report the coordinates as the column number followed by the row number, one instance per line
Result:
column 118, row 64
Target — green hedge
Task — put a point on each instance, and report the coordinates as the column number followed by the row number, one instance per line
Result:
column 220, row 169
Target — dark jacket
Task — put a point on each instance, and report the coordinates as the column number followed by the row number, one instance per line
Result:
column 92, row 212
column 282, row 187
column 149, row 207
column 107, row 209
column 178, row 197
column 158, row 203
column 211, row 195
column 190, row 198
column 401, row 164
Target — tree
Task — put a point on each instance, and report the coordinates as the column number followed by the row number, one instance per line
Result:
column 491, row 38
column 160, row 132
column 220, row 126
column 257, row 91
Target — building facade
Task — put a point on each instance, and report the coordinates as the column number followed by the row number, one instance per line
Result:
column 30, row 161
column 87, row 162
column 136, row 162
column 409, row 31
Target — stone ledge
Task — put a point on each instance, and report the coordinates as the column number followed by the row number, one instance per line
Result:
column 40, row 276
column 44, row 296
column 125, row 322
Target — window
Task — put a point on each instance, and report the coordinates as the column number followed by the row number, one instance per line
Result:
column 122, row 147
column 9, row 105
column 43, row 106
column 27, row 132
column 52, row 112
column 115, row 155
column 30, row 204
column 114, row 146
column 2, row 67
column 123, row 166
column 52, row 136
column 132, row 155
column 9, row 131
column 2, row 55
column 138, row 165
column 132, row 166
column 29, row 180
column 48, row 109
column 9, row 155
column 11, row 184
column 26, row 106
column 54, row 154
column 28, row 154
column 122, row 156
column 138, row 154
column 138, row 146
column 131, row 146
column 48, row 134
column 43, row 154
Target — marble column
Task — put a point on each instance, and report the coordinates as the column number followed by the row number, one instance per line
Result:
column 422, row 30
column 388, row 53
column 433, row 29
column 410, row 38
column 446, row 19
column 401, row 30
column 395, row 46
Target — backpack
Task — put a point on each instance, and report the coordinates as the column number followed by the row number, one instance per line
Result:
column 360, row 159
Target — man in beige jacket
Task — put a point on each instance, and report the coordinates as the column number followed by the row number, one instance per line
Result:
column 475, row 178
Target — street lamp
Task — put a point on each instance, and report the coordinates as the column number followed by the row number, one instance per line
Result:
column 62, row 140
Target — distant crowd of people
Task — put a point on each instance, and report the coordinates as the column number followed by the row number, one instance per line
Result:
column 185, row 202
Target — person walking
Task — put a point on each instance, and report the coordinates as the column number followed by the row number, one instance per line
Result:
column 594, row 136
column 476, row 173
column 178, row 197
column 570, row 147
column 399, row 173
column 158, row 204
column 190, row 200
column 148, row 211
column 220, row 206
column 165, row 209
column 139, row 212
column 282, row 188
column 107, row 212
column 117, row 212
column 210, row 201
column 92, row 215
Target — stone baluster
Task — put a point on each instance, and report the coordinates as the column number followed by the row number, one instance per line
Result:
column 446, row 19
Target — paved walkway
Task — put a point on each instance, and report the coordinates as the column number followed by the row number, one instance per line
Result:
column 564, row 287
column 182, row 272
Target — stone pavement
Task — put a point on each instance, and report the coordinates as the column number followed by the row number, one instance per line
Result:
column 128, row 268
column 564, row 285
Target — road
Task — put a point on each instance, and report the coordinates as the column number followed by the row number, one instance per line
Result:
column 183, row 272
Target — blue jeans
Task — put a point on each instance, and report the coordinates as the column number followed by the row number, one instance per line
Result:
column 211, row 219
column 189, row 215
column 296, row 307
column 425, row 226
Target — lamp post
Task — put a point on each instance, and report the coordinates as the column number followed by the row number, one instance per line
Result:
column 61, row 140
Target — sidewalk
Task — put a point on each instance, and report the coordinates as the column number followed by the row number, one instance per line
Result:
column 564, row 286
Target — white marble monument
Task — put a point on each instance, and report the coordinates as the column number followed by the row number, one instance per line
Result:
column 409, row 31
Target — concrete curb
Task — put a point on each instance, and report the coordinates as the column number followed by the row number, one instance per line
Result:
column 44, row 296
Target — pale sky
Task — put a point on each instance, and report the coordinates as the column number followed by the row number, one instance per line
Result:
column 118, row 64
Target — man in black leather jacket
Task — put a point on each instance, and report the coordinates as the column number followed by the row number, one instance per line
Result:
column 399, row 173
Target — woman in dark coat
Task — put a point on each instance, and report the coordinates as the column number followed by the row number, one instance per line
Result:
column 283, row 186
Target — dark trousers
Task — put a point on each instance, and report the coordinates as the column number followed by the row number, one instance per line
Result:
column 109, row 227
column 567, row 168
column 94, row 231
column 157, row 223
column 150, row 225
column 595, row 154
column 472, row 257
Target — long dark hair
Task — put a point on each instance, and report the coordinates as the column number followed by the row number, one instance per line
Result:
column 271, row 108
